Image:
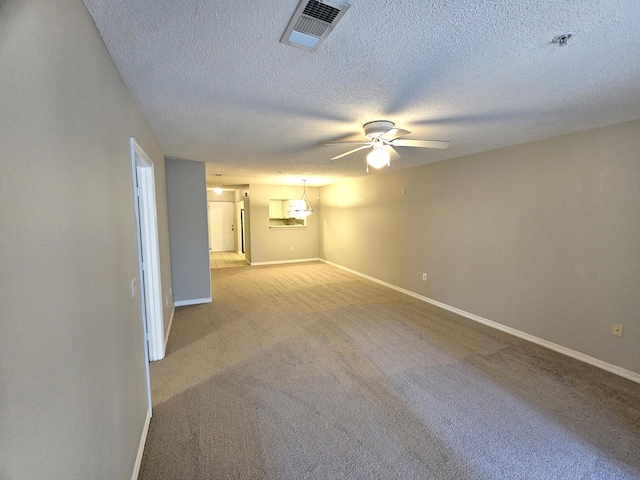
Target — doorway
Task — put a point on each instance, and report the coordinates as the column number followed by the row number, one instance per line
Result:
column 148, row 253
column 240, row 232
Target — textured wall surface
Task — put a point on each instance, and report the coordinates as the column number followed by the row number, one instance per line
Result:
column 541, row 237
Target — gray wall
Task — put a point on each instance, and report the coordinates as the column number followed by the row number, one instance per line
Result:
column 188, row 229
column 273, row 244
column 73, row 397
column 543, row 237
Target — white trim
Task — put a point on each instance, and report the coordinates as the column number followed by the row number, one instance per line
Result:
column 195, row 301
column 143, row 441
column 166, row 335
column 147, row 227
column 253, row 264
column 609, row 367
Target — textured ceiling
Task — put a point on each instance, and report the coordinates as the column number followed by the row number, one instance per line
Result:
column 217, row 86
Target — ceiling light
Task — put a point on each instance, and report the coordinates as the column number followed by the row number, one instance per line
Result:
column 303, row 207
column 218, row 190
column 378, row 157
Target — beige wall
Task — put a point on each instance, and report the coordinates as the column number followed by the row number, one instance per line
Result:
column 73, row 396
column 273, row 244
column 225, row 196
column 543, row 237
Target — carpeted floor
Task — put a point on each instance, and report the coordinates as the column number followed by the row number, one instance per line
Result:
column 305, row 371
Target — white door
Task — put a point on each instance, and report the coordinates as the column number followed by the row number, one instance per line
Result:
column 148, row 251
column 221, row 226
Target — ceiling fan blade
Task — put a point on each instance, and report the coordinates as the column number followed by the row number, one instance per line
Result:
column 403, row 142
column 395, row 133
column 350, row 152
column 347, row 143
column 393, row 155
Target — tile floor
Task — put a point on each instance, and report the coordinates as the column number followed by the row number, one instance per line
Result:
column 227, row 259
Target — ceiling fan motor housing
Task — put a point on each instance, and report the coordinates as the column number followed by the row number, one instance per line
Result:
column 377, row 128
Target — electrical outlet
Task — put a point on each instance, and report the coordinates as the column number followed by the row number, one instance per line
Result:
column 616, row 329
column 424, row 277
column 404, row 191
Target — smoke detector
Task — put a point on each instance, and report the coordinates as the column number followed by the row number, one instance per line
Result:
column 563, row 39
column 312, row 23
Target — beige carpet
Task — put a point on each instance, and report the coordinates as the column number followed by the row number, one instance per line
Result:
column 305, row 371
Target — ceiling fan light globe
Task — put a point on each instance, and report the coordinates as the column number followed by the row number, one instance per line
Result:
column 378, row 158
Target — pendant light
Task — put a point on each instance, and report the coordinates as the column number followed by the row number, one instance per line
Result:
column 303, row 207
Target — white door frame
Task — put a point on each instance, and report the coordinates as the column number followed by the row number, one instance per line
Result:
column 240, row 227
column 148, row 251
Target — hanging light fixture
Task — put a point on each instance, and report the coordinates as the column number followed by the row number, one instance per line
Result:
column 303, row 207
column 378, row 157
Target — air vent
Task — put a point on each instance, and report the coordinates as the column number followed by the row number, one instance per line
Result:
column 312, row 22
column 320, row 11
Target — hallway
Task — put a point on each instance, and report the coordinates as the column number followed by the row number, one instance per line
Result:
column 227, row 260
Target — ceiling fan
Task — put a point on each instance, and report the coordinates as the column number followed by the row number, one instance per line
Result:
column 382, row 138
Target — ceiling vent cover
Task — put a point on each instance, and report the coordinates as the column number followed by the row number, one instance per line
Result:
column 312, row 22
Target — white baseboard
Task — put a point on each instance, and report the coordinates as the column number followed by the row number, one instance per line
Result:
column 143, row 441
column 299, row 260
column 166, row 334
column 609, row 367
column 195, row 301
